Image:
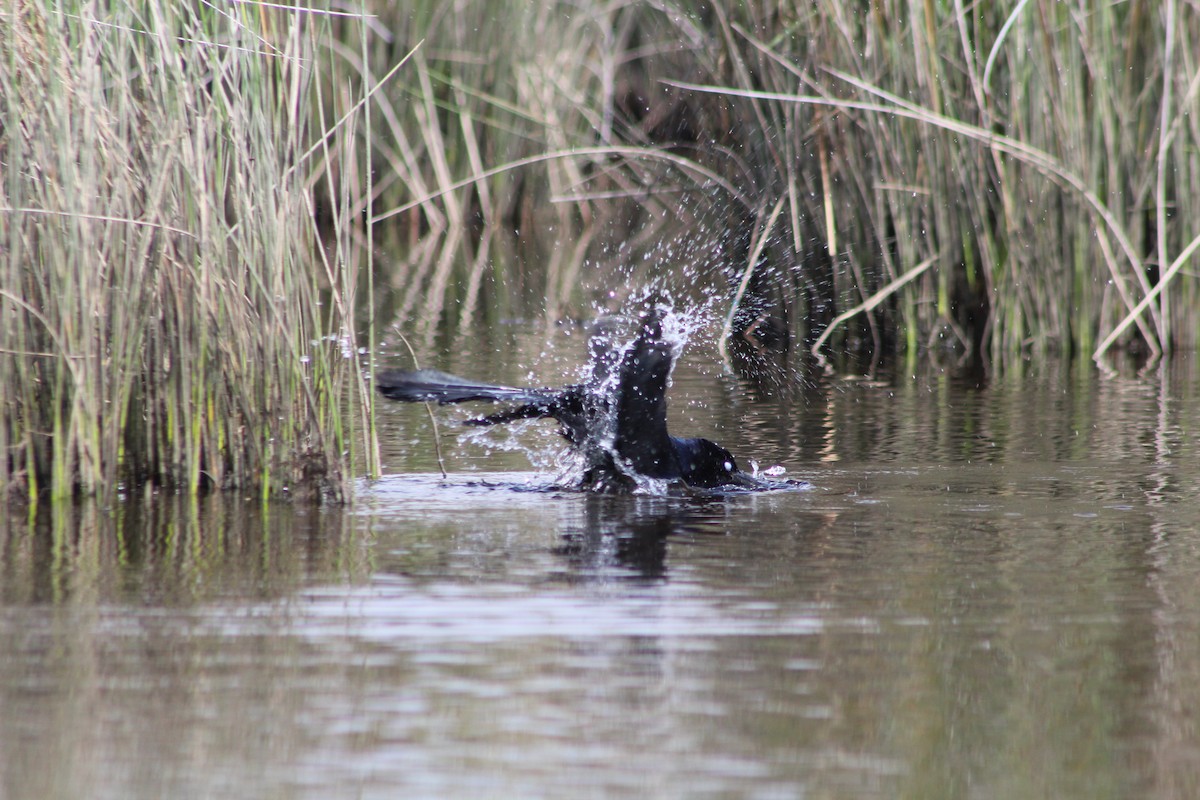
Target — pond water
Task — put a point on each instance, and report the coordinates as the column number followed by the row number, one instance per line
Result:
column 982, row 590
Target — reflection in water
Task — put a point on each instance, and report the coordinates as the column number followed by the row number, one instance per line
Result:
column 169, row 551
column 989, row 591
column 625, row 532
column 630, row 533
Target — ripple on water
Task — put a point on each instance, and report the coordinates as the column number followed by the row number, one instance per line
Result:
column 395, row 613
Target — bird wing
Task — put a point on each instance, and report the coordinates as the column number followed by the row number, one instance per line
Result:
column 641, row 416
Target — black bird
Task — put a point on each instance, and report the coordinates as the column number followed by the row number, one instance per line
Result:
column 616, row 418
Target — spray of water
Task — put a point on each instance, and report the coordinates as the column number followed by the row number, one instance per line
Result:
column 614, row 415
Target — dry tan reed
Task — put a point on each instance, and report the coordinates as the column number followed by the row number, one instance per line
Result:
column 165, row 315
column 1043, row 155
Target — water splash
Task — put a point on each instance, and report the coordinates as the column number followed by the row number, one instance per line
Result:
column 614, row 416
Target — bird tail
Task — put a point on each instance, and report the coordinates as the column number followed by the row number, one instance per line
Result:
column 426, row 385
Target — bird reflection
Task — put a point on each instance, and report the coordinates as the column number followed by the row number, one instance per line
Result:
column 622, row 536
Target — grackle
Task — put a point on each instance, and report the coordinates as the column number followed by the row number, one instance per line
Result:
column 616, row 418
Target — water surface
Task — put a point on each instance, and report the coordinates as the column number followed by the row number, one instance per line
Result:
column 986, row 591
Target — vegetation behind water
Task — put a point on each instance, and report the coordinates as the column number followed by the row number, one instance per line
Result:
column 996, row 180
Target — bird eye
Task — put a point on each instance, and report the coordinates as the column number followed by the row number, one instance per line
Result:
column 728, row 467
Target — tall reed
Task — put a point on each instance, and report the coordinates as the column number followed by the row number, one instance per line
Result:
column 170, row 314
column 1017, row 179
column 1041, row 156
column 512, row 124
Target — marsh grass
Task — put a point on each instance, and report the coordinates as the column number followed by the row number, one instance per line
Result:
column 512, row 122
column 170, row 314
column 1018, row 180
